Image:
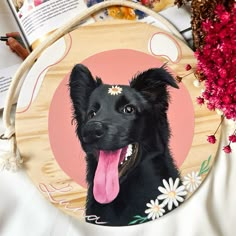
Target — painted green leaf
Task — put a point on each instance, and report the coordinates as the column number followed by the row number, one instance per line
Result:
column 205, row 166
column 138, row 220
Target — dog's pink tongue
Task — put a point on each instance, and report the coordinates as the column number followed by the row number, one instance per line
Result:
column 106, row 180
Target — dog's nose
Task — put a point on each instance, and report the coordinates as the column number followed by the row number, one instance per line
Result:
column 92, row 132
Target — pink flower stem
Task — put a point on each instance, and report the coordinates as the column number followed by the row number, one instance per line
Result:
column 234, row 132
column 187, row 74
column 222, row 119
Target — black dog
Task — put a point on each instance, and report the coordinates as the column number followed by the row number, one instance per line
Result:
column 125, row 134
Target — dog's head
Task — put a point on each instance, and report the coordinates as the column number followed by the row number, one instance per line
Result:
column 117, row 124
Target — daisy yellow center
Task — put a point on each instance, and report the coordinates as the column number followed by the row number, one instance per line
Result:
column 115, row 89
column 156, row 208
column 192, row 180
column 172, row 194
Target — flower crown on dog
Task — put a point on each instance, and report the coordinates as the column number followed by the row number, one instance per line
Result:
column 115, row 90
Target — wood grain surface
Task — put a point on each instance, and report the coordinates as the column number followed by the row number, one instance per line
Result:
column 32, row 125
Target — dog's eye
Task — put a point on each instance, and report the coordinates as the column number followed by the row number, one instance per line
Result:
column 129, row 109
column 91, row 114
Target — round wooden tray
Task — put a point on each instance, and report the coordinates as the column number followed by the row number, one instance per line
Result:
column 115, row 51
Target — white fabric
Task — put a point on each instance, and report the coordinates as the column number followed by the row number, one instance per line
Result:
column 211, row 211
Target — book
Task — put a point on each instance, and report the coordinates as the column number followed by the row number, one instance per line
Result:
column 9, row 61
column 38, row 18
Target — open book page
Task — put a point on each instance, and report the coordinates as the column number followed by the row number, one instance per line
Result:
column 181, row 19
column 38, row 18
column 9, row 61
column 5, row 81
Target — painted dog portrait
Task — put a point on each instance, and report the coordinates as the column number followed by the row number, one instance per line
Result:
column 124, row 131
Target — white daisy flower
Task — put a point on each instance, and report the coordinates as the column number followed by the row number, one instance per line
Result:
column 172, row 193
column 192, row 181
column 114, row 90
column 155, row 210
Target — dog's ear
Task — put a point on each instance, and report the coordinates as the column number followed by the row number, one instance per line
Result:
column 81, row 85
column 153, row 84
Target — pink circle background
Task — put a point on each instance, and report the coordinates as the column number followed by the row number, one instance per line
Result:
column 114, row 67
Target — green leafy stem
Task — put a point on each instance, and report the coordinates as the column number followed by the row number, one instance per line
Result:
column 205, row 166
column 138, row 220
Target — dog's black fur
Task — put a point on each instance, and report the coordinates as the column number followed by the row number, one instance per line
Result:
column 105, row 123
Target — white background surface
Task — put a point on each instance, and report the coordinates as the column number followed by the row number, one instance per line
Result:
column 210, row 212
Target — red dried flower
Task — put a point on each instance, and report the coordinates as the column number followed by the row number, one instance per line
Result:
column 227, row 99
column 216, row 61
column 221, row 82
column 200, row 100
column 210, row 106
column 234, row 97
column 232, row 138
column 222, row 73
column 188, row 67
column 225, row 17
column 227, row 149
column 206, row 26
column 211, row 139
